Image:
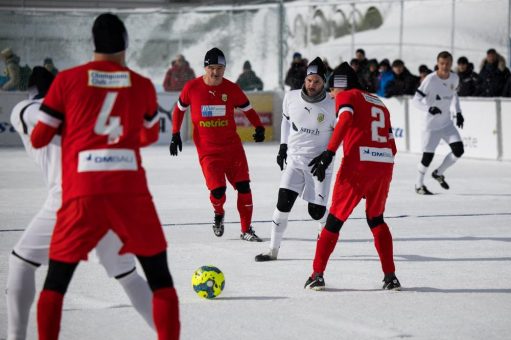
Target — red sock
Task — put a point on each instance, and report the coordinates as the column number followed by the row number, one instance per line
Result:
column 324, row 248
column 383, row 244
column 218, row 204
column 166, row 314
column 49, row 313
column 245, row 208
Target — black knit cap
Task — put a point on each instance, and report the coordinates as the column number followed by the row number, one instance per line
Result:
column 42, row 79
column 317, row 67
column 214, row 57
column 109, row 34
column 344, row 77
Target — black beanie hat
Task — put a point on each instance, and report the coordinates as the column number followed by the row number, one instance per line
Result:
column 42, row 79
column 317, row 67
column 214, row 57
column 344, row 77
column 109, row 34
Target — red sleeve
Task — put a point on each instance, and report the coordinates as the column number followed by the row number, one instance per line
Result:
column 244, row 104
column 343, row 124
column 42, row 135
column 150, row 131
column 180, row 108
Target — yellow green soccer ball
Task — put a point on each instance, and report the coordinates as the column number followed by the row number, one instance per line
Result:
column 208, row 282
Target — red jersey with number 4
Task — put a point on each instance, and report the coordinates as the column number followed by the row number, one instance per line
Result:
column 365, row 130
column 212, row 111
column 102, row 109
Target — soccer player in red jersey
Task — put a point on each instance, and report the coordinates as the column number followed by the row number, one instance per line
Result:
column 105, row 112
column 369, row 148
column 212, row 99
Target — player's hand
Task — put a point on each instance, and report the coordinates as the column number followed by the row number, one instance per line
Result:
column 282, row 156
column 175, row 143
column 320, row 164
column 434, row 110
column 259, row 134
column 459, row 120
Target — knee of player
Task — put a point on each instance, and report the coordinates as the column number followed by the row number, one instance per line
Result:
column 316, row 211
column 218, row 192
column 457, row 149
column 243, row 187
column 333, row 224
column 427, row 158
column 59, row 276
column 286, row 200
column 373, row 222
column 156, row 271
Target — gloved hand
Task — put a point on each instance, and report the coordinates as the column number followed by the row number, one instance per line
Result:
column 282, row 156
column 459, row 120
column 434, row 110
column 259, row 134
column 320, row 164
column 175, row 143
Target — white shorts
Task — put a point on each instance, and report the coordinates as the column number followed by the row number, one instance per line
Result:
column 306, row 185
column 34, row 244
column 430, row 139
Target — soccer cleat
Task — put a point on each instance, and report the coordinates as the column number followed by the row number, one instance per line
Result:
column 250, row 236
column 218, row 227
column 315, row 282
column 269, row 256
column 440, row 179
column 423, row 190
column 390, row 282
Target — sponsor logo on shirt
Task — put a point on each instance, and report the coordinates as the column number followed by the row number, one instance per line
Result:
column 107, row 160
column 381, row 155
column 109, row 80
column 214, row 123
column 314, row 132
column 213, row 110
column 224, row 97
column 372, row 99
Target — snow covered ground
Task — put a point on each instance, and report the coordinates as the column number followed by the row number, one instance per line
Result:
column 452, row 252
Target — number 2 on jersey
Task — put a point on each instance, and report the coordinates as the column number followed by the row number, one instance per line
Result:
column 379, row 123
column 106, row 125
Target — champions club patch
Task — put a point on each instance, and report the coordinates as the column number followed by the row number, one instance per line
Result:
column 213, row 110
column 107, row 160
column 109, row 80
column 372, row 99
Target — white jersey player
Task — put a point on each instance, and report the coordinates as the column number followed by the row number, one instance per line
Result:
column 437, row 97
column 307, row 125
column 32, row 249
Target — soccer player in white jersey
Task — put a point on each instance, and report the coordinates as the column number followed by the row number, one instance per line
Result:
column 31, row 251
column 307, row 125
column 436, row 96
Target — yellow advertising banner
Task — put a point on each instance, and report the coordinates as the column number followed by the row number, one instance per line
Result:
column 263, row 105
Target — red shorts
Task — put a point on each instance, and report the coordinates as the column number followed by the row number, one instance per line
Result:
column 83, row 221
column 351, row 186
column 231, row 165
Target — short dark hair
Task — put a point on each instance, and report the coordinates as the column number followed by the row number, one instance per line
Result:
column 462, row 61
column 491, row 51
column 444, row 55
column 398, row 62
column 360, row 50
column 354, row 61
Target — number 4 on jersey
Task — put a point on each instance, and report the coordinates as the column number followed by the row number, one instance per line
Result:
column 106, row 125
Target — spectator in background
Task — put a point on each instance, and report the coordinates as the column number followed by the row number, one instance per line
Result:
column 50, row 66
column 493, row 75
column 248, row 80
column 360, row 55
column 469, row 80
column 371, row 76
column 296, row 74
column 423, row 72
column 12, row 70
column 404, row 82
column 355, row 65
column 386, row 75
column 178, row 74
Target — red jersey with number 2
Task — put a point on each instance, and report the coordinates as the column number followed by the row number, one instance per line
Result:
column 365, row 130
column 102, row 109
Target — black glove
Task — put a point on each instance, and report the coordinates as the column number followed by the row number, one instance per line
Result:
column 282, row 156
column 320, row 164
column 175, row 143
column 459, row 120
column 259, row 134
column 434, row 110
